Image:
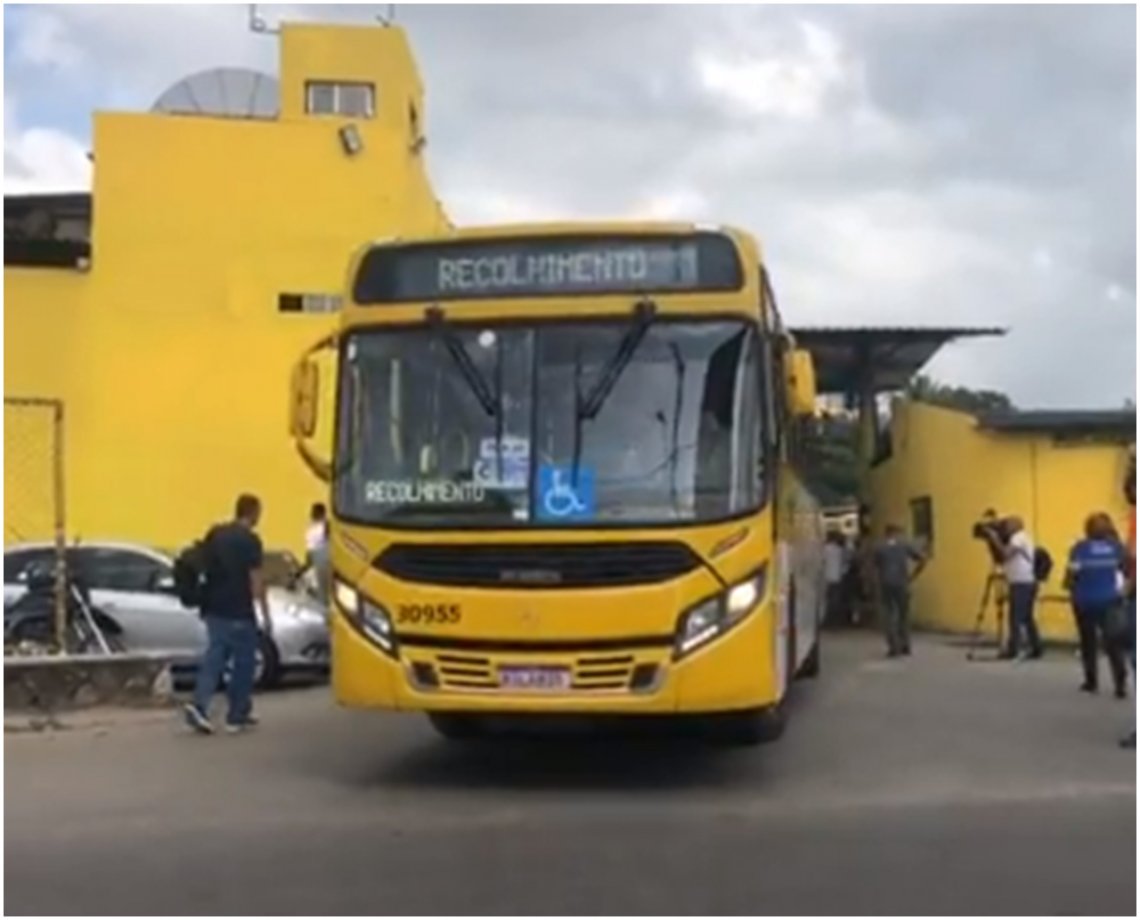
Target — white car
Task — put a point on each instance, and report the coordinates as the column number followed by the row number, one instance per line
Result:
column 133, row 585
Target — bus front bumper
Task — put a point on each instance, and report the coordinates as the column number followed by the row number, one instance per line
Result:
column 735, row 671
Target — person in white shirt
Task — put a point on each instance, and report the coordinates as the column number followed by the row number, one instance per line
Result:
column 317, row 549
column 1021, row 578
column 835, row 559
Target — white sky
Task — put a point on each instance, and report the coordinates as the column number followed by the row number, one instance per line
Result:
column 901, row 165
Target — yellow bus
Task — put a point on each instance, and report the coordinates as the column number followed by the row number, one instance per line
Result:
column 562, row 479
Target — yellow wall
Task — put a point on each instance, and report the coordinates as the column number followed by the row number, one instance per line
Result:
column 170, row 354
column 942, row 454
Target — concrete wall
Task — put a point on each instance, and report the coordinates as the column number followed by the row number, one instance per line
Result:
column 170, row 353
column 942, row 454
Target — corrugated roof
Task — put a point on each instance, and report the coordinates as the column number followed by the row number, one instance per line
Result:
column 897, row 331
column 1076, row 421
column 893, row 354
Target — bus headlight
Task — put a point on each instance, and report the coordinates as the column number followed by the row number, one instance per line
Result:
column 714, row 616
column 370, row 617
column 346, row 597
column 699, row 625
column 377, row 625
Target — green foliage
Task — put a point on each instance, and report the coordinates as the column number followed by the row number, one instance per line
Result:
column 828, row 459
column 923, row 389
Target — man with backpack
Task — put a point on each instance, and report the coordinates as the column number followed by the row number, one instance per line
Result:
column 227, row 568
column 1023, row 568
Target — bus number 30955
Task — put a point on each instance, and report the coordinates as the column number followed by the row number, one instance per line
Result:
column 428, row 613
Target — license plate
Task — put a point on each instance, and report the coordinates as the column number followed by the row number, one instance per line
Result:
column 532, row 678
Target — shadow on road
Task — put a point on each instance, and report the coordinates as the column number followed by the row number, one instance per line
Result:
column 624, row 755
column 645, row 760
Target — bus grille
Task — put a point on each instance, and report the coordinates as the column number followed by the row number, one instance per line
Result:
column 537, row 566
column 450, row 671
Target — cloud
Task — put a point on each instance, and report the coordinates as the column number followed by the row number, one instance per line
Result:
column 40, row 160
column 793, row 82
column 44, row 42
column 900, row 165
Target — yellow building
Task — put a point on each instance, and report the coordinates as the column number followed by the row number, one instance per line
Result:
column 944, row 468
column 166, row 308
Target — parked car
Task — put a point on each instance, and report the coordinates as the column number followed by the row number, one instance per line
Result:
column 133, row 586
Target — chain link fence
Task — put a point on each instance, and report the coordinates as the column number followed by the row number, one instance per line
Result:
column 34, row 509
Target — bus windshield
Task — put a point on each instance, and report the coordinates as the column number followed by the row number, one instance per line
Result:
column 464, row 425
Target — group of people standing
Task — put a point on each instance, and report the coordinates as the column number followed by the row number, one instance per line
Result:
column 872, row 580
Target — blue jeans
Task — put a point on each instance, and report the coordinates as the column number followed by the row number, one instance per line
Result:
column 1131, row 608
column 228, row 638
column 1022, row 599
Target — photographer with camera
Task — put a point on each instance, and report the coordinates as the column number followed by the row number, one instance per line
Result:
column 1011, row 548
column 1021, row 578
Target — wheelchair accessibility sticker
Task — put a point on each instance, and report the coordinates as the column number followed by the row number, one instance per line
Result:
column 559, row 499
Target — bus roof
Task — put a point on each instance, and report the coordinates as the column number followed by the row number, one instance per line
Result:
column 562, row 228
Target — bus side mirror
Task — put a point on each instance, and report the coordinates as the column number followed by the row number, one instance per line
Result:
column 801, row 383
column 304, row 407
column 305, row 391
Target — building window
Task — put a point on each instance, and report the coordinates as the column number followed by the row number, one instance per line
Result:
column 308, row 303
column 353, row 100
column 922, row 522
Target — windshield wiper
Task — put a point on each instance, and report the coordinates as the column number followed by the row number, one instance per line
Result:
column 643, row 313
column 678, row 400
column 488, row 400
column 588, row 408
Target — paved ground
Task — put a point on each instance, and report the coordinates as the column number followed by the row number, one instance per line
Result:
column 923, row 786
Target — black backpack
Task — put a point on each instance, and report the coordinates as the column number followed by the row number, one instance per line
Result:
column 190, row 573
column 1042, row 564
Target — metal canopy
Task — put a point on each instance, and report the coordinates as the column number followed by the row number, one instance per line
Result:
column 1107, row 422
column 889, row 355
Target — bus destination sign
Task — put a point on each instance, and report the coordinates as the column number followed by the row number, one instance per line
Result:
column 548, row 266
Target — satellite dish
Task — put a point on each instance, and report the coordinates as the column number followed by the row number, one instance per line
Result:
column 225, row 92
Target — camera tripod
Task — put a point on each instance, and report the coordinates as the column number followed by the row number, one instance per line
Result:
column 993, row 589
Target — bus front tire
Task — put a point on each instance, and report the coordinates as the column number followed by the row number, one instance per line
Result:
column 752, row 727
column 455, row 726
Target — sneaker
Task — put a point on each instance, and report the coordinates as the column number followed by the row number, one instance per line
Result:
column 1121, row 693
column 1086, row 687
column 245, row 724
column 1129, row 741
column 197, row 719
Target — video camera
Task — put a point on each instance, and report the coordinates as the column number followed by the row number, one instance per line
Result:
column 992, row 530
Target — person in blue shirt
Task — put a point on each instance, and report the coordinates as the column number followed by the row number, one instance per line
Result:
column 1093, row 580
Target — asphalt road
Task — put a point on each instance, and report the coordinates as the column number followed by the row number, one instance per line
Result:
column 923, row 786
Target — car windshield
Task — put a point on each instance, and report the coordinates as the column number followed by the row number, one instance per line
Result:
column 515, row 425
